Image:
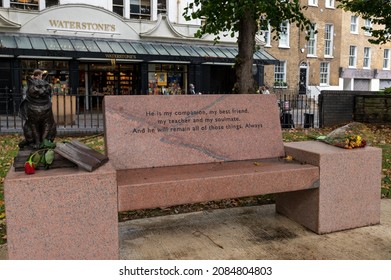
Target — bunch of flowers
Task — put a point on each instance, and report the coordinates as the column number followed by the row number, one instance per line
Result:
column 351, row 136
column 41, row 158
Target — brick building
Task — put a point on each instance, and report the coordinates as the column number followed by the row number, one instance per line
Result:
column 337, row 57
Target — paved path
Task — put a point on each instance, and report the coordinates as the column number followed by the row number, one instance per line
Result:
column 248, row 233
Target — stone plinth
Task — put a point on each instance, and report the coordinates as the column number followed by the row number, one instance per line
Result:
column 157, row 131
column 62, row 214
column 349, row 192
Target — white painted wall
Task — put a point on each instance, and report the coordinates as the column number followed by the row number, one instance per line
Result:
column 107, row 4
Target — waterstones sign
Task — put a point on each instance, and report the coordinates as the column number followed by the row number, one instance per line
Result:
column 81, row 26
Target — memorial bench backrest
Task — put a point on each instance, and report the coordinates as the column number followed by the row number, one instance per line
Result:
column 157, row 131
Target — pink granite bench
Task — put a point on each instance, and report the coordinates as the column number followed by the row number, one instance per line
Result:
column 171, row 150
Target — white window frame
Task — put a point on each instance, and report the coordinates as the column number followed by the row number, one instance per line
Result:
column 313, row 3
column 312, row 42
column 140, row 15
column 124, row 2
column 162, row 10
column 267, row 36
column 367, row 58
column 324, row 73
column 30, row 6
column 354, row 24
column 330, row 4
column 367, row 24
column 352, row 56
column 386, row 59
column 283, row 41
column 329, row 40
column 280, row 74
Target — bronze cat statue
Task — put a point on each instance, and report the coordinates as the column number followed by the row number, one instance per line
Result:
column 36, row 112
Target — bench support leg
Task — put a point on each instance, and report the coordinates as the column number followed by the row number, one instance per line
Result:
column 62, row 214
column 349, row 188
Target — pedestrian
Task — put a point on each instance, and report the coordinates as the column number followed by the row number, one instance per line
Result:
column 191, row 89
column 264, row 90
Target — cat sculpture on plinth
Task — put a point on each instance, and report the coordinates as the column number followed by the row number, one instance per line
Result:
column 36, row 112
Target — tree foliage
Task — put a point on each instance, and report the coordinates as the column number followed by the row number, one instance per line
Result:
column 379, row 11
column 245, row 18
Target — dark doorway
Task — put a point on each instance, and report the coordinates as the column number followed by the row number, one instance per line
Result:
column 7, row 105
column 222, row 79
column 303, row 80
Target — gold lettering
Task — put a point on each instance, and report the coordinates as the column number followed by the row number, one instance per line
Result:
column 81, row 25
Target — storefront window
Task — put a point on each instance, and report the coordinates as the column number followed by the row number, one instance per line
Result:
column 24, row 4
column 56, row 73
column 107, row 79
column 167, row 79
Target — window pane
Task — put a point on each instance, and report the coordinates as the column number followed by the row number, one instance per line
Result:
column 150, row 49
column 104, row 46
column 171, row 50
column 190, row 51
column 91, row 46
column 200, row 51
column 23, row 42
column 324, row 73
column 180, row 50
column 7, row 42
column 227, row 53
column 128, row 48
column 139, row 48
column 38, row 43
column 65, row 44
column 209, row 51
column 311, row 50
column 116, row 47
column 79, row 45
column 161, row 49
column 279, row 72
column 50, row 3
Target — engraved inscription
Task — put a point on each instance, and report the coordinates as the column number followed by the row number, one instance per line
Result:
column 197, row 120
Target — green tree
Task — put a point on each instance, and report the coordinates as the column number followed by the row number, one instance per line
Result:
column 245, row 18
column 379, row 11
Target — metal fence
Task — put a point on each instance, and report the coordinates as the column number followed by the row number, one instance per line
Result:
column 80, row 114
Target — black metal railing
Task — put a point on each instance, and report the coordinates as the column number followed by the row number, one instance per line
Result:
column 82, row 114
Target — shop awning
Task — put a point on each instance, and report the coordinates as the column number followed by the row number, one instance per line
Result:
column 76, row 47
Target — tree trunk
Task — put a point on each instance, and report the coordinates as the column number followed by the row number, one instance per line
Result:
column 244, row 60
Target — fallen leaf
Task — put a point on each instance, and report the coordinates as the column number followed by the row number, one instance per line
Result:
column 288, row 158
column 257, row 163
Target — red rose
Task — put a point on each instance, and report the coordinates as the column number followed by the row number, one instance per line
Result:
column 29, row 167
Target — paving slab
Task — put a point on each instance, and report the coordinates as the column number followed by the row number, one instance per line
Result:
column 247, row 233
column 253, row 233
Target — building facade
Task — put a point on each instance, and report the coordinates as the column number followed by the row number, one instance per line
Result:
column 114, row 47
column 337, row 56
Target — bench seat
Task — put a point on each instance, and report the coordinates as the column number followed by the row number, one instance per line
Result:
column 167, row 186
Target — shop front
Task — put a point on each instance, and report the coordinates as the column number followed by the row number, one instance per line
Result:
column 105, row 55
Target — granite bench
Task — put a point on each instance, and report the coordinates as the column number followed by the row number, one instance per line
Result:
column 170, row 150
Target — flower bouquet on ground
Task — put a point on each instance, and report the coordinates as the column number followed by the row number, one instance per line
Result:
column 351, row 136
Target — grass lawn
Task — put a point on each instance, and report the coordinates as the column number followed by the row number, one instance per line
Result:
column 9, row 149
